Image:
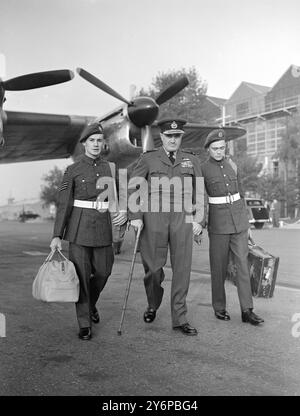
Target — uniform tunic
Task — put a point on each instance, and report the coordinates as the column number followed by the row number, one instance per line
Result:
column 228, row 231
column 167, row 226
column 88, row 231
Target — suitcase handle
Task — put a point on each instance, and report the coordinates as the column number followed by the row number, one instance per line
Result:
column 251, row 241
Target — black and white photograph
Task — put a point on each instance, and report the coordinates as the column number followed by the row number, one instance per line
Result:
column 149, row 202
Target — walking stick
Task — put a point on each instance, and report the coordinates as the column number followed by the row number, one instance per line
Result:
column 129, row 279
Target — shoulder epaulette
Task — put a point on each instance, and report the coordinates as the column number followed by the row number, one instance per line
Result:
column 152, row 150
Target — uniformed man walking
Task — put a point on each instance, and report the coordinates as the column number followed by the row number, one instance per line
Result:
column 228, row 226
column 169, row 226
column 87, row 226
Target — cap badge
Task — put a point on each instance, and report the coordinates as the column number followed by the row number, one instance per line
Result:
column 174, row 125
column 220, row 134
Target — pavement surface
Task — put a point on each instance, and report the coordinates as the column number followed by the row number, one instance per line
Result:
column 41, row 354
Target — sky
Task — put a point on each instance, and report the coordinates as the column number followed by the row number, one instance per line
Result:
column 131, row 42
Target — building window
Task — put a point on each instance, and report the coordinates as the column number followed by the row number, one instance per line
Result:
column 261, row 146
column 251, row 128
column 251, row 138
column 261, row 136
column 271, row 124
column 271, row 134
column 251, row 148
column 242, row 109
column 271, row 144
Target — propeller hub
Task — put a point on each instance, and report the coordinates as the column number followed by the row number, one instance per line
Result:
column 143, row 111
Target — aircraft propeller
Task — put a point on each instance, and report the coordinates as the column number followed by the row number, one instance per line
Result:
column 142, row 111
column 37, row 80
column 29, row 82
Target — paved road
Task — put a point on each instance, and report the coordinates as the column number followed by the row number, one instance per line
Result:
column 41, row 354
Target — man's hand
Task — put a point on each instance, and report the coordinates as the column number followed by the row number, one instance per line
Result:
column 137, row 224
column 119, row 218
column 55, row 244
column 197, row 228
column 250, row 236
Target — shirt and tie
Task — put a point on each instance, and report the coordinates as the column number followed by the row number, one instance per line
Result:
column 171, row 156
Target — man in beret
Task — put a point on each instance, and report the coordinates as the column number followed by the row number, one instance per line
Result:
column 228, row 226
column 168, row 226
column 87, row 226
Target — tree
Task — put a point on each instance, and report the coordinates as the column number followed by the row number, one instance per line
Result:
column 189, row 103
column 49, row 192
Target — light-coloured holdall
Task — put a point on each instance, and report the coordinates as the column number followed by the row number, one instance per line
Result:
column 56, row 280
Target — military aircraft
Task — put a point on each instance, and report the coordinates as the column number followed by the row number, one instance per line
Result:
column 129, row 130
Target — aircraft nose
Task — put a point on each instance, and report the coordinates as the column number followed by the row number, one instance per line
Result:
column 143, row 111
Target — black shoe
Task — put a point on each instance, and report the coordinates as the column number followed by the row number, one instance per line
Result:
column 249, row 316
column 95, row 316
column 85, row 333
column 223, row 315
column 149, row 315
column 186, row 329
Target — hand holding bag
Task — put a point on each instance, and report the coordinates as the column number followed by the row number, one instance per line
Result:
column 56, row 280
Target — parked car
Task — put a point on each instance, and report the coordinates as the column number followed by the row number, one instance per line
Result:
column 258, row 213
column 27, row 215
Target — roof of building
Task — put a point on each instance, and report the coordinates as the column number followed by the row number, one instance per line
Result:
column 216, row 100
column 261, row 89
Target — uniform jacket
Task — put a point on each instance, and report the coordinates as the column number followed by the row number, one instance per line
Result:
column 83, row 226
column 156, row 165
column 221, row 179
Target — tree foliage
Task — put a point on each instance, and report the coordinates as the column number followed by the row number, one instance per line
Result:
column 49, row 192
column 189, row 103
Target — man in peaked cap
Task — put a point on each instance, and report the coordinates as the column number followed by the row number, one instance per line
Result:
column 167, row 228
column 228, row 226
column 87, row 226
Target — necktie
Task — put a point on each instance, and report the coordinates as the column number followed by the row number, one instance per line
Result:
column 172, row 157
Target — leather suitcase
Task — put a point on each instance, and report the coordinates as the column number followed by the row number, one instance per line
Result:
column 263, row 271
column 263, row 268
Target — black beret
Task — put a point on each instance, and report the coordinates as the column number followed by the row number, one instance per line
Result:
column 214, row 136
column 171, row 125
column 93, row 128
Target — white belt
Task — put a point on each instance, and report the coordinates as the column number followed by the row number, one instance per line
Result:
column 90, row 204
column 228, row 199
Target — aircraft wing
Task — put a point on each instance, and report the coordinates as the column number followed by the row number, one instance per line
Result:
column 195, row 135
column 35, row 136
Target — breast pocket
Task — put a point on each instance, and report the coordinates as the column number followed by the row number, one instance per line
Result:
column 187, row 171
column 233, row 183
column 215, row 186
column 86, row 187
column 159, row 173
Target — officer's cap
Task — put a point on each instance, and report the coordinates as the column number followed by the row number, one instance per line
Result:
column 214, row 136
column 89, row 130
column 169, row 126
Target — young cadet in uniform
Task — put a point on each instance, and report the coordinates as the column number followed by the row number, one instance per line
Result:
column 228, row 226
column 162, row 228
column 87, row 227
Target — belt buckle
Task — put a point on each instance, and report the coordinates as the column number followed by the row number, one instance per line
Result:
column 100, row 206
column 230, row 197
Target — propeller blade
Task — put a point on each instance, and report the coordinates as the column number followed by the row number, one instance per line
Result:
column 99, row 84
column 172, row 90
column 38, row 80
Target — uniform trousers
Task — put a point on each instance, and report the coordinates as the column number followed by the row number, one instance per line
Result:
column 219, row 247
column 162, row 230
column 93, row 266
